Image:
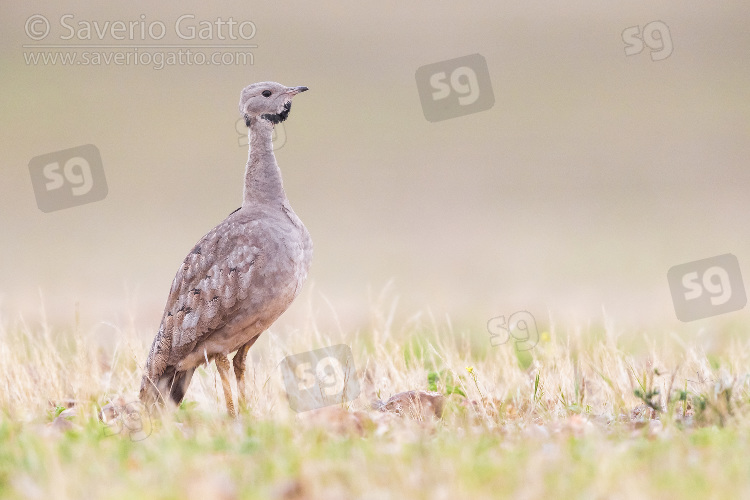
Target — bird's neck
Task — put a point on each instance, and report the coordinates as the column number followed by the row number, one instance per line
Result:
column 262, row 174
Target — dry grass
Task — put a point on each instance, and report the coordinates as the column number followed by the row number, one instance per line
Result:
column 589, row 412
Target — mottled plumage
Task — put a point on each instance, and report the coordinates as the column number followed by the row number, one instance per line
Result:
column 241, row 276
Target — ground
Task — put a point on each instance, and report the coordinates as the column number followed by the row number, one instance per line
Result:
column 586, row 413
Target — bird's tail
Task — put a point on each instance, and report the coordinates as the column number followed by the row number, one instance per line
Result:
column 170, row 386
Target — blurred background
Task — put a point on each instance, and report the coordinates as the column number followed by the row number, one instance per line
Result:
column 593, row 173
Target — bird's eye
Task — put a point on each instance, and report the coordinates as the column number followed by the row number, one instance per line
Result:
column 266, row 93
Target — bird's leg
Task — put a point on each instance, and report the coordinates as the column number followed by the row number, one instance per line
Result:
column 239, row 372
column 222, row 364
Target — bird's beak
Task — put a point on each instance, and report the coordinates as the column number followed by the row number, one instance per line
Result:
column 296, row 90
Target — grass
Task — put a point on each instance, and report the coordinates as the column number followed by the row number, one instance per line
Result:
column 587, row 413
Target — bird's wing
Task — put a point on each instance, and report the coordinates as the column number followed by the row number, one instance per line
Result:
column 214, row 278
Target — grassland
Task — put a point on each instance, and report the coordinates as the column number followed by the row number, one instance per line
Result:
column 589, row 412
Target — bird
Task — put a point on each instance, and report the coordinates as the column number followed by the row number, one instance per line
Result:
column 240, row 277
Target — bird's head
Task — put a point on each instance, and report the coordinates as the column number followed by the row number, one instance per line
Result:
column 268, row 100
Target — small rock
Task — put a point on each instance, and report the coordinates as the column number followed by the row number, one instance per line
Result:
column 61, row 424
column 415, row 404
column 641, row 413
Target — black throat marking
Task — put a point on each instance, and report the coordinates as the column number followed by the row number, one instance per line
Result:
column 278, row 117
